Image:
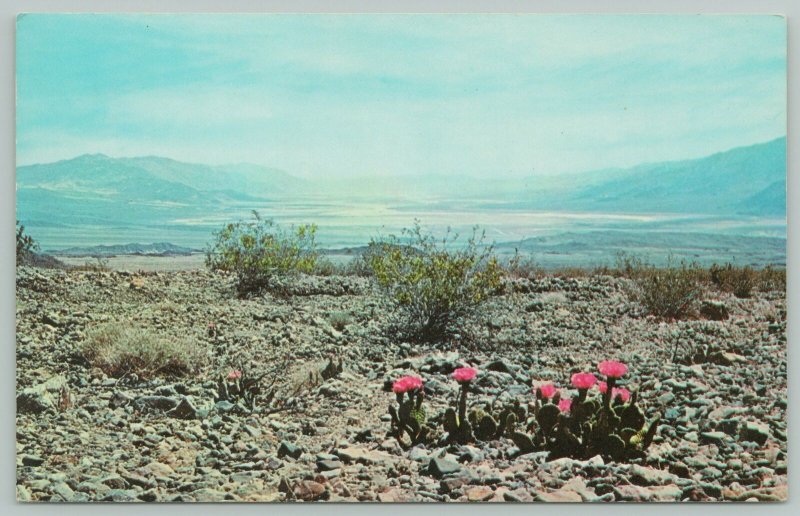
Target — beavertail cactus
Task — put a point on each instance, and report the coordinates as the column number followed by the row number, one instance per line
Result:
column 456, row 424
column 610, row 424
column 409, row 417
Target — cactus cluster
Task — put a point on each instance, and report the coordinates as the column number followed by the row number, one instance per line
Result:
column 409, row 417
column 609, row 423
column 488, row 427
column 600, row 419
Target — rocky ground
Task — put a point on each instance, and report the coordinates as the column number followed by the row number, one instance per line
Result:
column 82, row 436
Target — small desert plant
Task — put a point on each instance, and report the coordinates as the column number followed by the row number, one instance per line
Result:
column 431, row 281
column 26, row 245
column 456, row 423
column 409, row 416
column 738, row 280
column 479, row 423
column 671, row 291
column 258, row 250
column 339, row 320
column 119, row 350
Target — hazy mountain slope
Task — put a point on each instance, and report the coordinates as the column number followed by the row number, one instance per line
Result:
column 154, row 178
column 721, row 183
column 769, row 201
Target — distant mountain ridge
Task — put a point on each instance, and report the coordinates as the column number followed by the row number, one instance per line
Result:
column 745, row 180
column 154, row 249
column 748, row 180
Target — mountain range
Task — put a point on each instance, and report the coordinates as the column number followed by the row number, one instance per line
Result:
column 95, row 188
column 96, row 199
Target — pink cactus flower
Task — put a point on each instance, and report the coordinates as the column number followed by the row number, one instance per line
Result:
column 583, row 380
column 407, row 383
column 464, row 374
column 602, row 387
column 623, row 394
column 612, row 369
column 564, row 405
column 548, row 390
column 234, row 375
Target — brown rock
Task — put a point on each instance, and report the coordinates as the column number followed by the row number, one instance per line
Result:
column 479, row 493
column 309, row 490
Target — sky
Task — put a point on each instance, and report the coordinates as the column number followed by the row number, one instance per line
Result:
column 352, row 95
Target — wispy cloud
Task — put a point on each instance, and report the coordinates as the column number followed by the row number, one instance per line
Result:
column 400, row 94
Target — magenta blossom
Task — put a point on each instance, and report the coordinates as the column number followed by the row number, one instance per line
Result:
column 547, row 390
column 583, row 380
column 464, row 374
column 564, row 405
column 407, row 383
column 234, row 375
column 602, row 387
column 612, row 369
column 621, row 392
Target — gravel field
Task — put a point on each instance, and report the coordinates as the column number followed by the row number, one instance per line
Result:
column 719, row 385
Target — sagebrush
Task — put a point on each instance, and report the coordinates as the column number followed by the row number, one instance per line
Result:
column 671, row 291
column 434, row 282
column 118, row 350
column 258, row 250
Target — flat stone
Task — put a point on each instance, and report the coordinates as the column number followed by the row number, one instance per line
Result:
column 479, row 494
column 155, row 403
column 713, row 437
column 156, row 469
column 560, row 496
column 632, row 493
column 394, row 496
column 328, row 465
column 32, row 460
column 440, row 467
column 62, row 489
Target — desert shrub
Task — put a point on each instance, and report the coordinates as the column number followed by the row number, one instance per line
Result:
column 772, row 278
column 628, row 266
column 738, row 280
column 26, row 245
column 120, row 349
column 434, row 282
column 522, row 266
column 339, row 320
column 671, row 291
column 258, row 250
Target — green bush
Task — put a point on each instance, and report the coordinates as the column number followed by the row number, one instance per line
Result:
column 671, row 291
column 434, row 282
column 258, row 250
column 120, row 349
column 730, row 278
column 26, row 245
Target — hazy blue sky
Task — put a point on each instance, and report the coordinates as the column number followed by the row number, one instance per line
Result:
column 377, row 94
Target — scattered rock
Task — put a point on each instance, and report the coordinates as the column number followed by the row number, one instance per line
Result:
column 439, row 467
